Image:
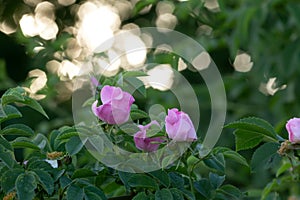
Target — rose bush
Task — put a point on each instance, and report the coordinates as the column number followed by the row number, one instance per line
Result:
column 58, row 167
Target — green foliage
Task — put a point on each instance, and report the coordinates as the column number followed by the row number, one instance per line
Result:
column 23, row 142
column 204, row 187
column 74, row 145
column 162, row 177
column 216, row 162
column 75, row 192
column 8, row 179
column 141, row 196
column 25, row 186
column 5, row 143
column 9, row 112
column 216, row 180
column 35, row 176
column 163, row 194
column 229, row 192
column 17, row 95
column 265, row 157
column 7, row 158
column 138, row 114
column 45, row 180
column 230, row 154
column 251, row 131
column 17, row 129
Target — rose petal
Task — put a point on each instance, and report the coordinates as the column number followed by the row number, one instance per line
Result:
column 106, row 94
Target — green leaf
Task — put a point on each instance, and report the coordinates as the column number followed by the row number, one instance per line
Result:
column 134, row 74
column 162, row 177
column 163, row 194
column 17, row 129
column 251, row 131
column 177, row 194
column 254, row 124
column 64, row 181
column 135, row 85
column 177, row 180
column 138, row 114
column 36, row 163
column 273, row 196
column 143, row 181
column 52, row 139
column 5, row 143
column 35, row 105
column 45, row 180
column 157, row 113
column 88, row 102
column 57, row 173
column 168, row 160
column 231, row 192
column 140, row 5
column 130, row 129
column 2, row 113
column 229, row 153
column 216, row 180
column 265, row 157
column 188, row 194
column 154, row 130
column 23, row 142
column 8, row 179
column 204, row 187
column 262, row 124
column 74, row 145
column 10, row 113
column 94, row 190
column 216, row 162
column 124, row 177
column 8, row 159
column 25, row 185
column 74, row 192
column 17, row 94
column 246, row 139
column 118, row 80
column 83, row 173
column 91, row 196
column 284, row 167
column 268, row 189
column 13, row 95
column 67, row 133
column 141, row 196
column 42, row 142
column 192, row 161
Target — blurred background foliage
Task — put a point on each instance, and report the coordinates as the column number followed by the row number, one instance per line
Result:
column 255, row 44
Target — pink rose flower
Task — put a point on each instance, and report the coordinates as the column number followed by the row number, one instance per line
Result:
column 115, row 108
column 145, row 143
column 293, row 128
column 179, row 126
